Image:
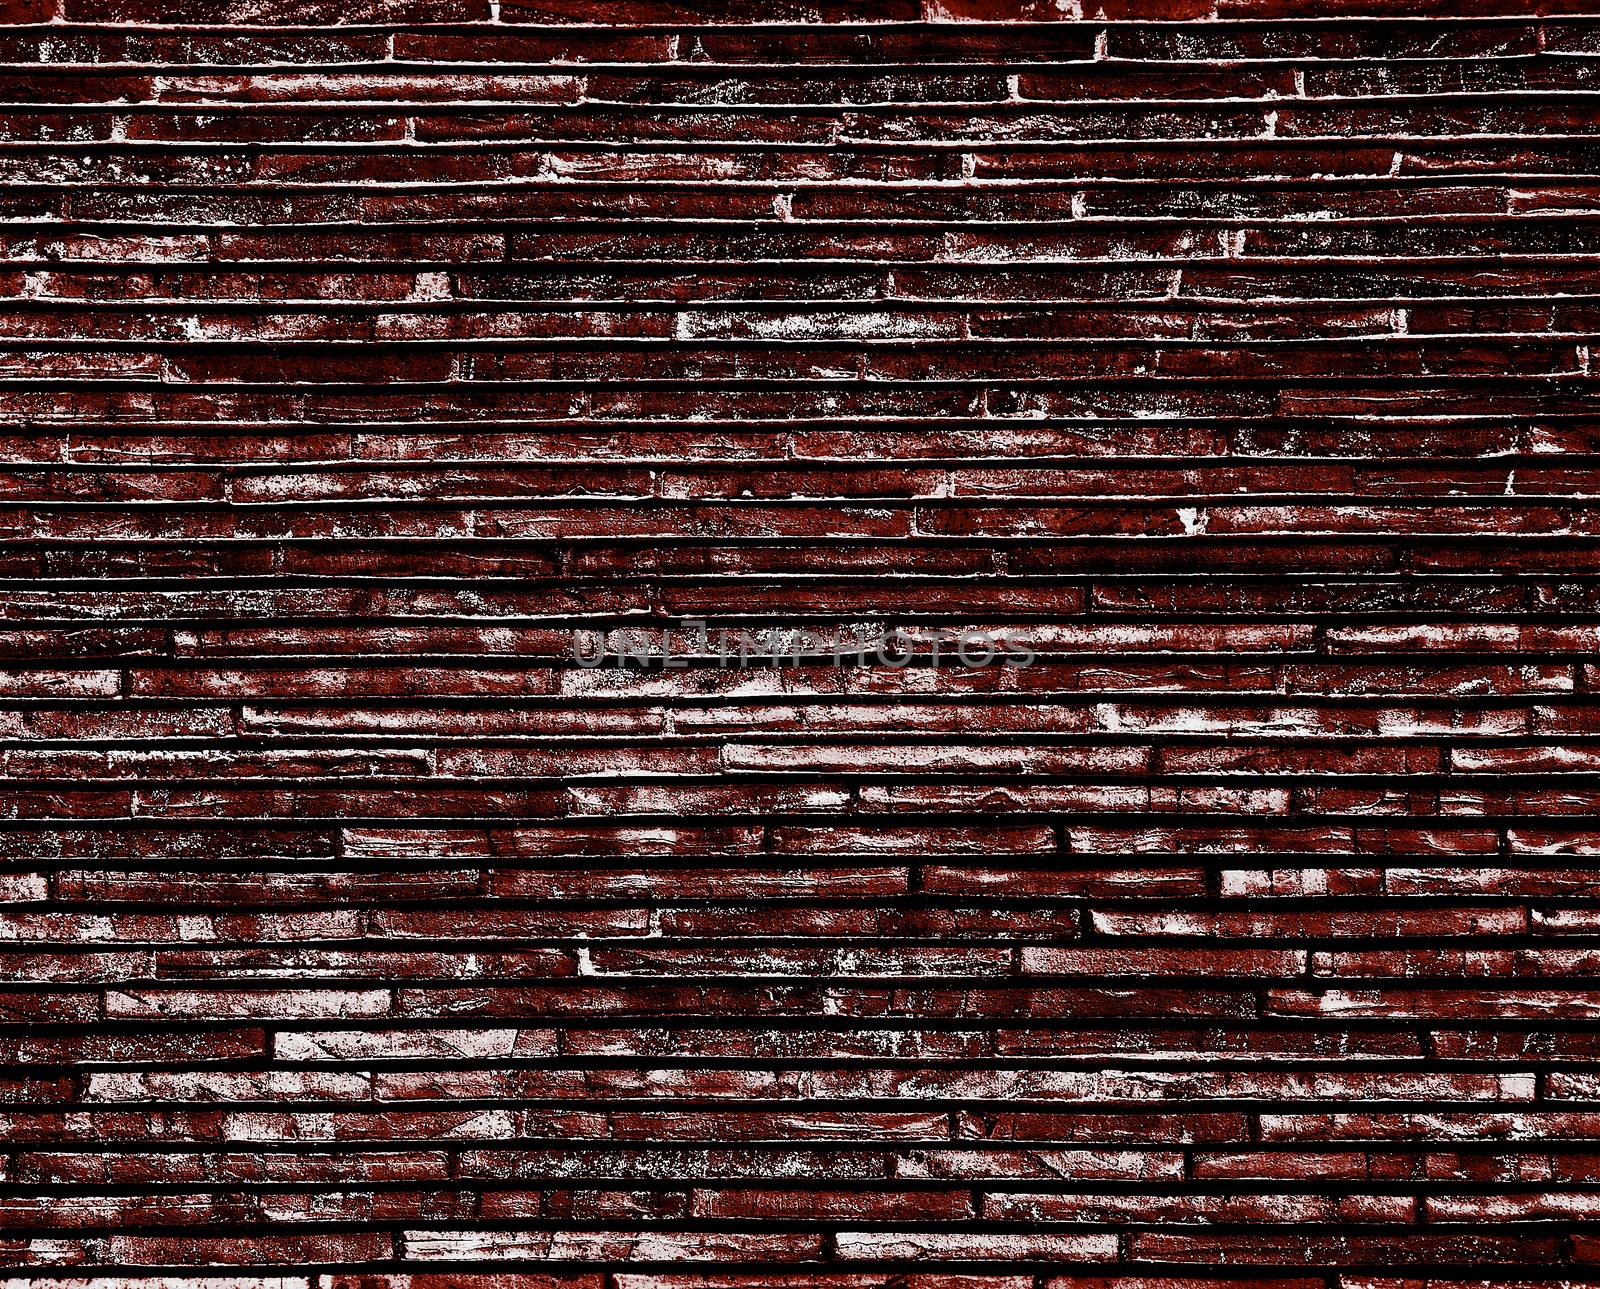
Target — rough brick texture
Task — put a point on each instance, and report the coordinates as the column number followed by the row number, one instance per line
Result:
column 1232, row 360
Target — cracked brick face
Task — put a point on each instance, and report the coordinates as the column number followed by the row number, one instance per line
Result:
column 816, row 644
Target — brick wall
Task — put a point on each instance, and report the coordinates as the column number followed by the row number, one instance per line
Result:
column 1233, row 372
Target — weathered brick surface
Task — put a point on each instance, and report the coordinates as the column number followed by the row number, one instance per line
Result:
column 1232, row 360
